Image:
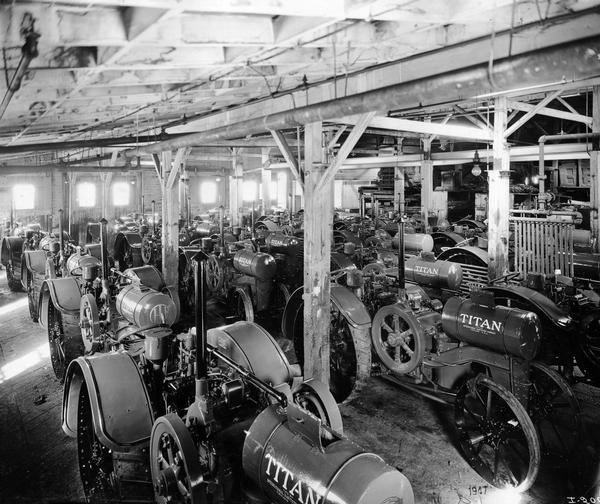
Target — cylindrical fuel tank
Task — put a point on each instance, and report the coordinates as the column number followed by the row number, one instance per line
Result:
column 441, row 274
column 283, row 244
column 289, row 469
column 416, row 242
column 257, row 264
column 506, row 330
column 145, row 307
column 206, row 229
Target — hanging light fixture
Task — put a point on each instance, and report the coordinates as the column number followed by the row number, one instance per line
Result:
column 476, row 170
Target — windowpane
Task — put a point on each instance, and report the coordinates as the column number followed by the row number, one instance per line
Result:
column 249, row 190
column 208, row 192
column 282, row 189
column 24, row 196
column 120, row 192
column 86, row 194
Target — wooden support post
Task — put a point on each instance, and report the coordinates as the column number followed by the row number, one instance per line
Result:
column 318, row 217
column 499, row 195
column 170, row 224
column 595, row 170
column 235, row 188
column 426, row 184
column 267, row 197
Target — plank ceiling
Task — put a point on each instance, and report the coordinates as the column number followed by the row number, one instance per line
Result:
column 111, row 68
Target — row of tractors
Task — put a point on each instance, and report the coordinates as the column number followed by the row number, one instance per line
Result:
column 218, row 407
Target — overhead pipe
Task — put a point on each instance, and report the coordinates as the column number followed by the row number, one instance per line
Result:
column 28, row 52
column 534, row 68
column 541, row 169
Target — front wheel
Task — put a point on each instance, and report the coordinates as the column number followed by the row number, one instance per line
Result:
column 496, row 435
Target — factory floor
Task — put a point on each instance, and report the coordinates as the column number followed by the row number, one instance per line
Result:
column 38, row 463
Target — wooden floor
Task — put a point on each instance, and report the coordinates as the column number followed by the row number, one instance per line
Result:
column 38, row 463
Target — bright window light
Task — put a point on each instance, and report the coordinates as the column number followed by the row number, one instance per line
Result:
column 86, row 194
column 249, row 190
column 120, row 193
column 24, row 363
column 282, row 192
column 338, row 188
column 208, row 192
column 24, row 196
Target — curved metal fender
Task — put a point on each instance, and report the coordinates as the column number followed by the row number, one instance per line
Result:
column 121, row 413
column 64, row 292
column 480, row 254
column 350, row 306
column 35, row 261
column 12, row 247
column 252, row 347
column 541, row 305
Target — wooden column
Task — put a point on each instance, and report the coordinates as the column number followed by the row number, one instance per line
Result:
column 499, row 195
column 170, row 224
column 267, row 197
column 426, row 184
column 235, row 188
column 595, row 170
column 318, row 217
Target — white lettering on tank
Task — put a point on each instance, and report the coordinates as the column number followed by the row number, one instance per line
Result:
column 483, row 323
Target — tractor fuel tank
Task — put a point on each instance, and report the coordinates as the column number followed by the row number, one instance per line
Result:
column 431, row 273
column 145, row 307
column 415, row 242
column 293, row 460
column 480, row 322
column 283, row 244
column 256, row 264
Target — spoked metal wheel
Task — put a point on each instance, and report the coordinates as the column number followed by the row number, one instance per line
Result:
column 64, row 338
column 342, row 359
column 242, row 305
column 555, row 412
column 496, row 435
column 214, row 274
column 96, row 467
column 398, row 339
column 31, row 298
column 147, row 250
column 89, row 322
column 588, row 346
column 174, row 462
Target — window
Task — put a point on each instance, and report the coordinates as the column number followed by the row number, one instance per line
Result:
column 338, row 188
column 282, row 193
column 24, row 196
column 120, row 193
column 208, row 192
column 86, row 194
column 249, row 190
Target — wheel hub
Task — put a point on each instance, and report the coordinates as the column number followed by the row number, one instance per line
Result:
column 166, row 483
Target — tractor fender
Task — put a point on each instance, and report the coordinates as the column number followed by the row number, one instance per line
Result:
column 250, row 346
column 121, row 412
column 350, row 306
column 133, row 239
column 476, row 255
column 544, row 307
column 35, row 261
column 64, row 292
column 12, row 247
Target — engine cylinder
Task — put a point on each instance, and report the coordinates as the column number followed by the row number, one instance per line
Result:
column 499, row 328
column 256, row 264
column 289, row 469
column 442, row 274
column 283, row 244
column 145, row 307
column 416, row 242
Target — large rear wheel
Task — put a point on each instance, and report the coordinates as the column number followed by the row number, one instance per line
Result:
column 64, row 338
column 31, row 297
column 13, row 282
column 496, row 435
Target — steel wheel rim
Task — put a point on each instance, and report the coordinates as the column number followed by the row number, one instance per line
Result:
column 342, row 359
column 30, row 297
column 56, row 339
column 496, row 435
column 95, row 459
column 555, row 413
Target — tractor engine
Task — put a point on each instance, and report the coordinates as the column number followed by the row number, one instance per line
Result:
column 258, row 265
column 288, row 252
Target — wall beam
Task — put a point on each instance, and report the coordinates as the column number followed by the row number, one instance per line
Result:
column 595, row 169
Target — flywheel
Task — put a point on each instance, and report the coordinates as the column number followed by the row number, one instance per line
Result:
column 89, row 321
